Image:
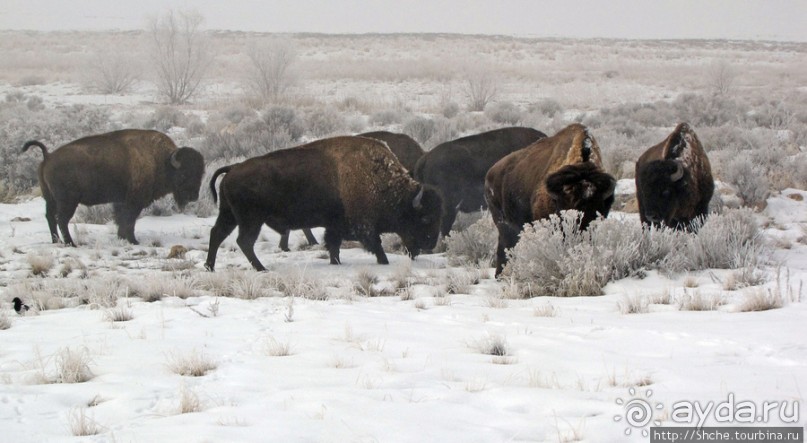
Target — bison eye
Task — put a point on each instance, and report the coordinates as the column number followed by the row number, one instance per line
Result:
column 665, row 193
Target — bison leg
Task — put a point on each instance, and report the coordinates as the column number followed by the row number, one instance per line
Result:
column 50, row 216
column 449, row 215
column 224, row 226
column 247, row 235
column 64, row 213
column 125, row 217
column 284, row 240
column 309, row 236
column 333, row 240
column 508, row 237
column 373, row 244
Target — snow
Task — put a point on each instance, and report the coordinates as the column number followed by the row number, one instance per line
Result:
column 380, row 368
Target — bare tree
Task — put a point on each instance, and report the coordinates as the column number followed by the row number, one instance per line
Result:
column 269, row 76
column 180, row 54
column 722, row 76
column 113, row 73
column 481, row 89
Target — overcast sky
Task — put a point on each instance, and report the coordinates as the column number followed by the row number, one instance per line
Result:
column 712, row 19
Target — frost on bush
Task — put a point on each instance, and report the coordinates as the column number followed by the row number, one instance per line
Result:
column 474, row 245
column 504, row 113
column 553, row 257
column 749, row 178
column 240, row 133
column 325, row 122
column 547, row 107
column 420, row 128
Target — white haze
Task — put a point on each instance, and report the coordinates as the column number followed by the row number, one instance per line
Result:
column 634, row 19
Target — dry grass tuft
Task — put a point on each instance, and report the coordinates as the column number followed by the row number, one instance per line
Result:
column 275, row 348
column 73, row 366
column 188, row 401
column 758, row 299
column 81, row 424
column 545, row 310
column 193, row 364
column 697, row 301
column 41, row 263
column 633, row 304
column 365, row 283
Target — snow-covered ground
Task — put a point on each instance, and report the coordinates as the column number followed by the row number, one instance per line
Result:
column 313, row 358
column 381, row 368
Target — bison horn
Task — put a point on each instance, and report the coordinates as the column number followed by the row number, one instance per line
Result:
column 416, row 201
column 175, row 161
column 679, row 172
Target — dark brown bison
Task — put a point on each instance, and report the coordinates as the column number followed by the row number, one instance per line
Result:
column 352, row 186
column 553, row 174
column 458, row 167
column 130, row 168
column 405, row 148
column 674, row 181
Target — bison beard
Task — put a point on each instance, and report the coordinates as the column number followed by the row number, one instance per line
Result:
column 129, row 168
column 353, row 186
column 554, row 174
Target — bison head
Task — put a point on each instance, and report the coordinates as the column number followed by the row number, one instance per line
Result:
column 186, row 167
column 584, row 187
column 420, row 224
column 665, row 184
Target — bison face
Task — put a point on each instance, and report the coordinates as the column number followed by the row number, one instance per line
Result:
column 664, row 185
column 584, row 187
column 420, row 225
column 187, row 168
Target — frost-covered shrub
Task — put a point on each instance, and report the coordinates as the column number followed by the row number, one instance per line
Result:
column 474, row 245
column 703, row 111
column 450, row 109
column 388, row 117
column 280, row 118
column 547, row 107
column 420, row 128
column 553, row 257
column 748, row 177
column 235, row 134
column 727, row 241
column 504, row 113
column 444, row 130
column 324, row 122
column 164, row 118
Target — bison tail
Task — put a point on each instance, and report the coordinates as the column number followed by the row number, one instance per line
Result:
column 37, row 144
column 222, row 170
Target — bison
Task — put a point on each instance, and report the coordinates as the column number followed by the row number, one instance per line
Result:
column 674, row 181
column 405, row 148
column 353, row 186
column 553, row 174
column 129, row 168
column 458, row 167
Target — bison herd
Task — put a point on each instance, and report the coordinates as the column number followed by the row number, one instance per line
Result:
column 358, row 187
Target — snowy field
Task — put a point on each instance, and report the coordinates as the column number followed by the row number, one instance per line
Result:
column 126, row 344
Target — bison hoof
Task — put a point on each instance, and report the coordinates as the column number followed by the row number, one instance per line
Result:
column 209, row 267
